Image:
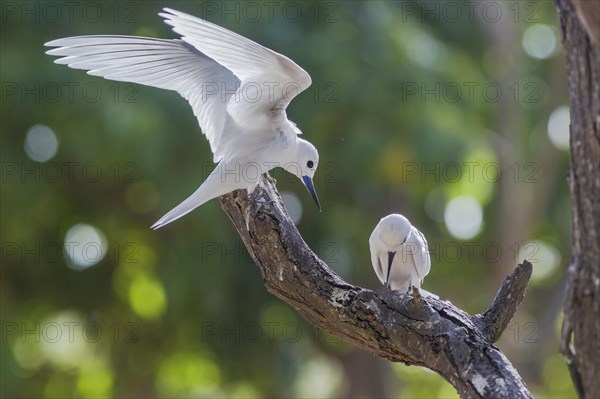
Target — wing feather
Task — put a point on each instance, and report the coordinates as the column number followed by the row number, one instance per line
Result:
column 420, row 253
column 277, row 78
column 162, row 63
column 375, row 256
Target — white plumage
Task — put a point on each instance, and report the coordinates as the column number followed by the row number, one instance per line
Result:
column 238, row 90
column 399, row 253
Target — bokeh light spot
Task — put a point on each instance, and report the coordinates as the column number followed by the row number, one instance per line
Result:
column 147, row 297
column 293, row 205
column 425, row 50
column 463, row 217
column 319, row 377
column 544, row 257
column 540, row 41
column 85, row 246
column 189, row 375
column 41, row 144
column 63, row 341
column 27, row 354
column 95, row 380
column 558, row 127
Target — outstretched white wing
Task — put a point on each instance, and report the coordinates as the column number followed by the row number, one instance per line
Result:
column 166, row 64
column 420, row 252
column 269, row 80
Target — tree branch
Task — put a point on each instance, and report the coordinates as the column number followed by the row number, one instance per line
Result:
column 588, row 13
column 580, row 335
column 395, row 326
column 493, row 322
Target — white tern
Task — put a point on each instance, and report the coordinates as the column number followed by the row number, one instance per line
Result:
column 238, row 90
column 399, row 254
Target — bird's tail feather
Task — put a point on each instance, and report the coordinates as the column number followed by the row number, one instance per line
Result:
column 217, row 183
column 192, row 202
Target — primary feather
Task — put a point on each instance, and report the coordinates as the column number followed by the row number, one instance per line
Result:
column 238, row 90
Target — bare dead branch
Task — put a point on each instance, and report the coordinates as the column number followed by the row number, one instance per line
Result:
column 399, row 327
column 494, row 321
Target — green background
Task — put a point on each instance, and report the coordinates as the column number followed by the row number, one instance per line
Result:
column 413, row 105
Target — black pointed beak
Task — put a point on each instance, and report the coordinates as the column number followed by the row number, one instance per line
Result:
column 390, row 260
column 311, row 189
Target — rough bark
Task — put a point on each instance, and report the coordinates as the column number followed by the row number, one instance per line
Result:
column 494, row 321
column 588, row 13
column 406, row 328
column 580, row 340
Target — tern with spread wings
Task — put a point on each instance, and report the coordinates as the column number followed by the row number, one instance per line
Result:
column 238, row 90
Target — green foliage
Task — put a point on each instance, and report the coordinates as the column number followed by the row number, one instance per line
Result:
column 403, row 112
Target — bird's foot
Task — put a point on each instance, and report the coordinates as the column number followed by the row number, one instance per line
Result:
column 258, row 201
column 416, row 294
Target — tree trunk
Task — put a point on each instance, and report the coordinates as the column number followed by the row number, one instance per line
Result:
column 399, row 327
column 580, row 340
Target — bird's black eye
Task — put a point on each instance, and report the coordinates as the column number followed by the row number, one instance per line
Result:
column 310, row 164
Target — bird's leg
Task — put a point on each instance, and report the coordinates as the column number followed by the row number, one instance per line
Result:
column 258, row 201
column 410, row 286
column 415, row 293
